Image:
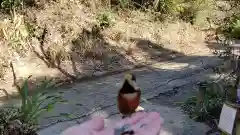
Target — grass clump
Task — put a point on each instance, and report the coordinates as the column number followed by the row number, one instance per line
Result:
column 24, row 120
column 105, row 19
column 124, row 3
column 207, row 104
column 174, row 9
column 231, row 26
column 165, row 6
column 15, row 33
column 10, row 5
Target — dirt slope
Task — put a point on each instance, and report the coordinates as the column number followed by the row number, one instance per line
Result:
column 74, row 47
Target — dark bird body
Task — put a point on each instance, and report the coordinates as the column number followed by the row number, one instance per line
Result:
column 129, row 96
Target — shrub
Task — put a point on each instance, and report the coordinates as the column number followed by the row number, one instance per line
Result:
column 208, row 103
column 188, row 14
column 124, row 3
column 15, row 33
column 231, row 26
column 105, row 19
column 10, row 5
column 23, row 120
column 165, row 6
column 235, row 32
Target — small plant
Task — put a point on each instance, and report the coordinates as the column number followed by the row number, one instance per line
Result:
column 207, row 104
column 165, row 6
column 30, row 29
column 235, row 33
column 23, row 120
column 105, row 19
column 124, row 3
column 188, row 15
column 10, row 5
column 231, row 26
column 15, row 33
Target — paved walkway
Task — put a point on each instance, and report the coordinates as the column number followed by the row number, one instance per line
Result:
column 162, row 84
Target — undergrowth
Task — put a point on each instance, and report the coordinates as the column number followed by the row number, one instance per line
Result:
column 24, row 120
column 105, row 19
column 10, row 5
column 166, row 9
column 15, row 33
column 207, row 105
column 231, row 26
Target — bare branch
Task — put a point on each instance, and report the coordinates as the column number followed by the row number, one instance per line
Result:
column 47, row 60
column 5, row 92
column 14, row 77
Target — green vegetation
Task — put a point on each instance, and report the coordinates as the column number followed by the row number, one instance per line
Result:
column 105, row 19
column 124, row 3
column 165, row 9
column 15, row 33
column 208, row 103
column 231, row 26
column 23, row 120
column 10, row 5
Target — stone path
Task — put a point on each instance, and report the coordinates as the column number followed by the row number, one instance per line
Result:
column 162, row 84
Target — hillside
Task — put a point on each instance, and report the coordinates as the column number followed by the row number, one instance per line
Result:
column 67, row 40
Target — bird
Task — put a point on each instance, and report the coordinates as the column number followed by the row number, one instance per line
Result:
column 129, row 96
